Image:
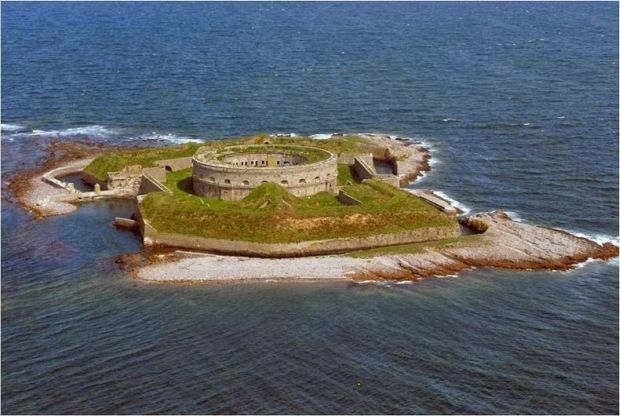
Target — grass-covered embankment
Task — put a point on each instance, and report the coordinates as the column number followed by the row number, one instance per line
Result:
column 272, row 215
column 146, row 157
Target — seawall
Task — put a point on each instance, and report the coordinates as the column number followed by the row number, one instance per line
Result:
column 153, row 237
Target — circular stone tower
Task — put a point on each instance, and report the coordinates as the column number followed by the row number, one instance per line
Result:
column 233, row 172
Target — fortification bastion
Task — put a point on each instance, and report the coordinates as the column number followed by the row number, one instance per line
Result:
column 232, row 172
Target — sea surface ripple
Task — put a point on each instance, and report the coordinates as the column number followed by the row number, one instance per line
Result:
column 519, row 105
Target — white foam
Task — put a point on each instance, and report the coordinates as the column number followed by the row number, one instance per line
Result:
column 526, row 124
column 561, row 117
column 453, row 202
column 92, row 131
column 424, row 144
column 284, row 135
column 169, row 137
column 382, row 283
column 514, row 216
column 449, row 119
column 321, row 136
column 613, row 262
column 11, row 127
column 102, row 132
column 585, row 263
column 598, row 238
column 447, row 276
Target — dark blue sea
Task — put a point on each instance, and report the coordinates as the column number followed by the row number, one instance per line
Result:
column 519, row 104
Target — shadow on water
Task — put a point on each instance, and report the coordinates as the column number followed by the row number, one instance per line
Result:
column 78, row 183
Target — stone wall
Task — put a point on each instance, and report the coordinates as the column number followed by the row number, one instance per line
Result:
column 92, row 181
column 152, row 237
column 349, row 158
column 363, row 169
column 389, row 179
column 347, row 199
column 230, row 182
column 401, row 167
column 264, row 159
column 157, row 173
column 129, row 177
column 173, row 165
column 151, row 184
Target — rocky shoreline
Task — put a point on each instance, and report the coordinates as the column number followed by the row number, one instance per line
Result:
column 500, row 243
column 37, row 196
column 505, row 244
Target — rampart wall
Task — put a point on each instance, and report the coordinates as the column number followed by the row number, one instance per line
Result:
column 158, row 173
column 173, row 165
column 151, row 184
column 226, row 181
column 153, row 237
column 364, row 170
column 347, row 199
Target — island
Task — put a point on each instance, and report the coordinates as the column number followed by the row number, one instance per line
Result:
column 287, row 207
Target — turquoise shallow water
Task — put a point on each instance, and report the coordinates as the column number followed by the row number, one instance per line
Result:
column 519, row 104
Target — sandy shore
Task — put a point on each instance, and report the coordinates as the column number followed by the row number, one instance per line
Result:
column 506, row 244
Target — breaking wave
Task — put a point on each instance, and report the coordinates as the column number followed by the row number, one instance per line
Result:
column 11, row 127
column 94, row 130
column 585, row 263
column 514, row 216
column 597, row 238
column 453, row 202
column 168, row 137
column 321, row 136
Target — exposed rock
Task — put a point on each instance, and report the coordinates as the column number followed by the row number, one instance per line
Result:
column 35, row 195
column 125, row 223
column 411, row 159
column 505, row 244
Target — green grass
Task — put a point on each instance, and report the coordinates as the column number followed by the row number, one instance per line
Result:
column 286, row 218
column 270, row 214
column 115, row 161
column 311, row 155
column 337, row 145
column 414, row 248
column 345, row 175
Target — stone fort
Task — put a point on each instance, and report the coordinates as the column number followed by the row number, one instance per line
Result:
column 233, row 172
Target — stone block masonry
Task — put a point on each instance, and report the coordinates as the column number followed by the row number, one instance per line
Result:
column 172, row 165
column 239, row 174
column 363, row 169
column 153, row 237
column 347, row 199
